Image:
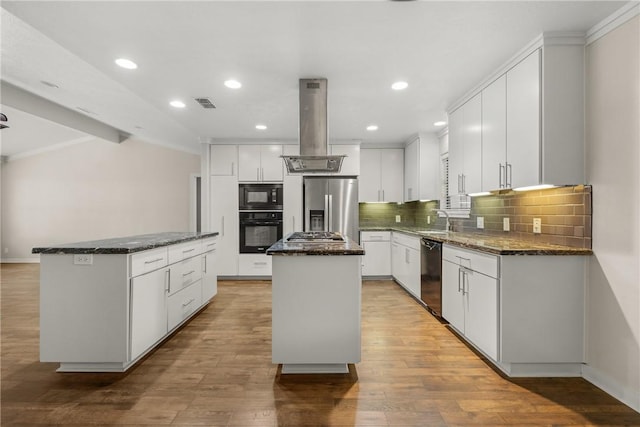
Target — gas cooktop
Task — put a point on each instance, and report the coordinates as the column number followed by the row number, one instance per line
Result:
column 316, row 237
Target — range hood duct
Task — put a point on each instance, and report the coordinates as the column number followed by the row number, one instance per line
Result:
column 313, row 156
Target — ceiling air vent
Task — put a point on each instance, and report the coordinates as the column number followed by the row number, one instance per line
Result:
column 205, row 102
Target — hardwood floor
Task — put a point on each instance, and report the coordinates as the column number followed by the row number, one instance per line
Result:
column 217, row 371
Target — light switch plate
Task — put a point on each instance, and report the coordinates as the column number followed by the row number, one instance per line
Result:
column 537, row 225
column 480, row 222
column 505, row 224
column 428, row 220
column 397, row 218
column 83, row 259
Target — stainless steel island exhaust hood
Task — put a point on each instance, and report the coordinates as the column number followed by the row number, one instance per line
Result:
column 313, row 156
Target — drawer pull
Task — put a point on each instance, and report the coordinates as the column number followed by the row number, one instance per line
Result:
column 153, row 260
column 186, row 274
column 188, row 250
column 184, row 304
column 260, row 263
column 211, row 244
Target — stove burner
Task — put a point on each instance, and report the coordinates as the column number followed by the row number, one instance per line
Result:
column 315, row 237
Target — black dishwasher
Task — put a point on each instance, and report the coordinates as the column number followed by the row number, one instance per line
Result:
column 431, row 275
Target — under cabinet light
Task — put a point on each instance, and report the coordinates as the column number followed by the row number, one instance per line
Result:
column 534, row 187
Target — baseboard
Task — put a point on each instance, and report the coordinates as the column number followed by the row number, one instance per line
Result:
column 20, row 260
column 626, row 395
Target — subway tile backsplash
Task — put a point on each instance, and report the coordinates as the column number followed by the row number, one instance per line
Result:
column 565, row 213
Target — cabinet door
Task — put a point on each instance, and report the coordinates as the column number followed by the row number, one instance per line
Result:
column 413, row 271
column 223, row 159
column 224, row 219
column 377, row 259
column 396, row 261
column 481, row 320
column 452, row 302
column 148, row 310
column 351, row 163
column 271, row 163
column 391, row 167
column 249, row 163
column 369, row 183
column 456, row 151
column 411, row 156
column 494, row 134
column 292, row 197
column 523, row 122
column 472, row 151
column 209, row 276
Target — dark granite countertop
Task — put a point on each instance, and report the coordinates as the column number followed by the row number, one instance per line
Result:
column 490, row 243
column 124, row 245
column 282, row 247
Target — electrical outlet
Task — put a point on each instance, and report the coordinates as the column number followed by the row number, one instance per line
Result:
column 83, row 259
column 480, row 222
column 397, row 218
column 505, row 224
column 537, row 225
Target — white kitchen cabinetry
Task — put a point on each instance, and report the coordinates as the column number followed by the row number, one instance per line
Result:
column 106, row 315
column 209, row 270
column 377, row 248
column 351, row 163
column 223, row 160
column 260, row 163
column 254, row 265
column 405, row 262
column 292, row 195
column 494, row 135
column 470, row 296
column 465, row 148
column 381, row 175
column 224, row 220
column 148, row 310
column 422, row 168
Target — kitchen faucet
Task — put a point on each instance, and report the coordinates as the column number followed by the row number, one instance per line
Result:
column 446, row 214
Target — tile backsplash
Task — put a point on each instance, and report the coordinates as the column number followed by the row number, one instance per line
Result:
column 565, row 213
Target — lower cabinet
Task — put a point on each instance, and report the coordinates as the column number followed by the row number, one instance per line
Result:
column 255, row 265
column 148, row 310
column 209, row 275
column 405, row 262
column 377, row 248
column 182, row 304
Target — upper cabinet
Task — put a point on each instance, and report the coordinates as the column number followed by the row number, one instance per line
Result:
column 258, row 163
column 531, row 121
column 422, row 168
column 381, row 175
column 292, row 195
column 223, row 160
column 465, row 148
column 351, row 163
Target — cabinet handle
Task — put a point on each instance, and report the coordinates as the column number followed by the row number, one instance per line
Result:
column 204, row 270
column 260, row 263
column 210, row 244
column 379, row 196
column 233, row 168
column 459, row 279
column 510, row 180
column 383, row 195
column 184, row 304
column 189, row 273
column 167, row 280
column 500, row 175
column 188, row 250
column 464, row 184
column 262, row 174
column 153, row 260
column 222, row 226
column 293, row 220
column 257, row 174
column 406, row 256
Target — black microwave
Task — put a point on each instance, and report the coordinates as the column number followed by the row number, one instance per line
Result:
column 264, row 197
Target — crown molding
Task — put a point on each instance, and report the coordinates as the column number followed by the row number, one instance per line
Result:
column 613, row 21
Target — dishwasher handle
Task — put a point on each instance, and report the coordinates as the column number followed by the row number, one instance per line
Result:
column 431, row 245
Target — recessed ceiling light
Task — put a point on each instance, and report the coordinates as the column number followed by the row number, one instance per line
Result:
column 233, row 84
column 126, row 63
column 399, row 85
column 177, row 104
column 372, row 127
column 440, row 123
column 261, row 127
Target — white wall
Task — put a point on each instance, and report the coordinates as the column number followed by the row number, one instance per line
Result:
column 93, row 190
column 613, row 159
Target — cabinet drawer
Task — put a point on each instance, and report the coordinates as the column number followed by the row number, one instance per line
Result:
column 146, row 261
column 255, row 265
column 184, row 251
column 183, row 273
column 183, row 304
column 209, row 244
column 375, row 236
column 406, row 240
column 473, row 260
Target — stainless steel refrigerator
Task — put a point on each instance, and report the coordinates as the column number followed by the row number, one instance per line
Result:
column 331, row 204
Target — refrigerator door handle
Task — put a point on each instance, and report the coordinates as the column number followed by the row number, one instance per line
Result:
column 326, row 212
column 330, row 223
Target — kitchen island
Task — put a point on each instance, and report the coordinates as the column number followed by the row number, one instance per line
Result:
column 104, row 304
column 316, row 304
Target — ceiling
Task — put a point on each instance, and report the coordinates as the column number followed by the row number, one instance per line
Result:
column 186, row 50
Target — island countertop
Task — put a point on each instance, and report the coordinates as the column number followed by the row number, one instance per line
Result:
column 348, row 247
column 124, row 245
column 490, row 243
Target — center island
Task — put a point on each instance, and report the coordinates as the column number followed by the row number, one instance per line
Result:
column 316, row 302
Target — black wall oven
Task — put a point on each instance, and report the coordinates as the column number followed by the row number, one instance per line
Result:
column 262, row 197
column 259, row 230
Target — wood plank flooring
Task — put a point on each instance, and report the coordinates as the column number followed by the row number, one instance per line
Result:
column 217, row 371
